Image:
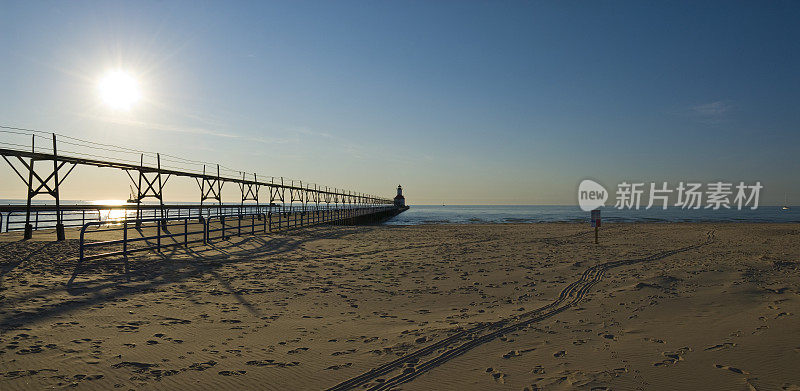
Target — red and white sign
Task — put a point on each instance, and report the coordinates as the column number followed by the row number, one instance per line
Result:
column 596, row 218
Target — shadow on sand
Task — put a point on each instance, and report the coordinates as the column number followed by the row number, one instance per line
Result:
column 112, row 279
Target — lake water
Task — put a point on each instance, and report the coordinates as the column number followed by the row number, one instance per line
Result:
column 482, row 214
column 459, row 214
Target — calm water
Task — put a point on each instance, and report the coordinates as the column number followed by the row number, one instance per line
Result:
column 457, row 214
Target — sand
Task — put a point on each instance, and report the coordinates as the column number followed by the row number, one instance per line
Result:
column 652, row 307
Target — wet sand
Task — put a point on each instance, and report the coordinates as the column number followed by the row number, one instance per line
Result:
column 502, row 306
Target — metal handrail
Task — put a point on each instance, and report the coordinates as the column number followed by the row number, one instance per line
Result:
column 77, row 215
column 161, row 227
column 239, row 226
column 259, row 223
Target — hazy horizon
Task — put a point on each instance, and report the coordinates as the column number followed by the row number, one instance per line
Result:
column 234, row 202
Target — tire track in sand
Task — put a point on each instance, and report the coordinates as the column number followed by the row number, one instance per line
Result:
column 465, row 340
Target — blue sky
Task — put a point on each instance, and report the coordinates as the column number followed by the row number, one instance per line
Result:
column 461, row 102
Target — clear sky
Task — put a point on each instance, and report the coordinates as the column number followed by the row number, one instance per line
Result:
column 461, row 102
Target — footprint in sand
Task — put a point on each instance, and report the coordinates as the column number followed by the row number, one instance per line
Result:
column 131, row 327
column 30, row 350
column 726, row 345
column 498, row 376
column 673, row 357
column 732, row 369
column 232, row 373
column 139, row 367
column 173, row 321
column 272, row 363
column 513, row 353
column 338, row 367
column 202, row 366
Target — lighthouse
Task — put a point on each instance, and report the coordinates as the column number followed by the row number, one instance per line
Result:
column 399, row 200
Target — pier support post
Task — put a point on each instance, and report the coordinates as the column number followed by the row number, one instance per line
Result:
column 271, row 203
column 278, row 193
column 153, row 186
column 28, row 226
column 42, row 186
column 249, row 190
column 59, row 223
column 316, row 202
column 214, row 189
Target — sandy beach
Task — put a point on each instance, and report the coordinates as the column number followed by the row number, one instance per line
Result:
column 395, row 195
column 498, row 306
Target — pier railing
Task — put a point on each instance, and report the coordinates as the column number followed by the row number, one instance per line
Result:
column 150, row 234
column 234, row 225
column 130, row 236
column 12, row 217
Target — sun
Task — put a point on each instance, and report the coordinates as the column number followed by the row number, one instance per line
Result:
column 118, row 90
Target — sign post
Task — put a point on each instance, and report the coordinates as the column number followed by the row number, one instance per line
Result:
column 596, row 223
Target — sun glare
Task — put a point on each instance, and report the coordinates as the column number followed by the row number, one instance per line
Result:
column 118, row 90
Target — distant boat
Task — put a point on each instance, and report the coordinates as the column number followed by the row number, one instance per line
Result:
column 785, row 202
column 130, row 196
